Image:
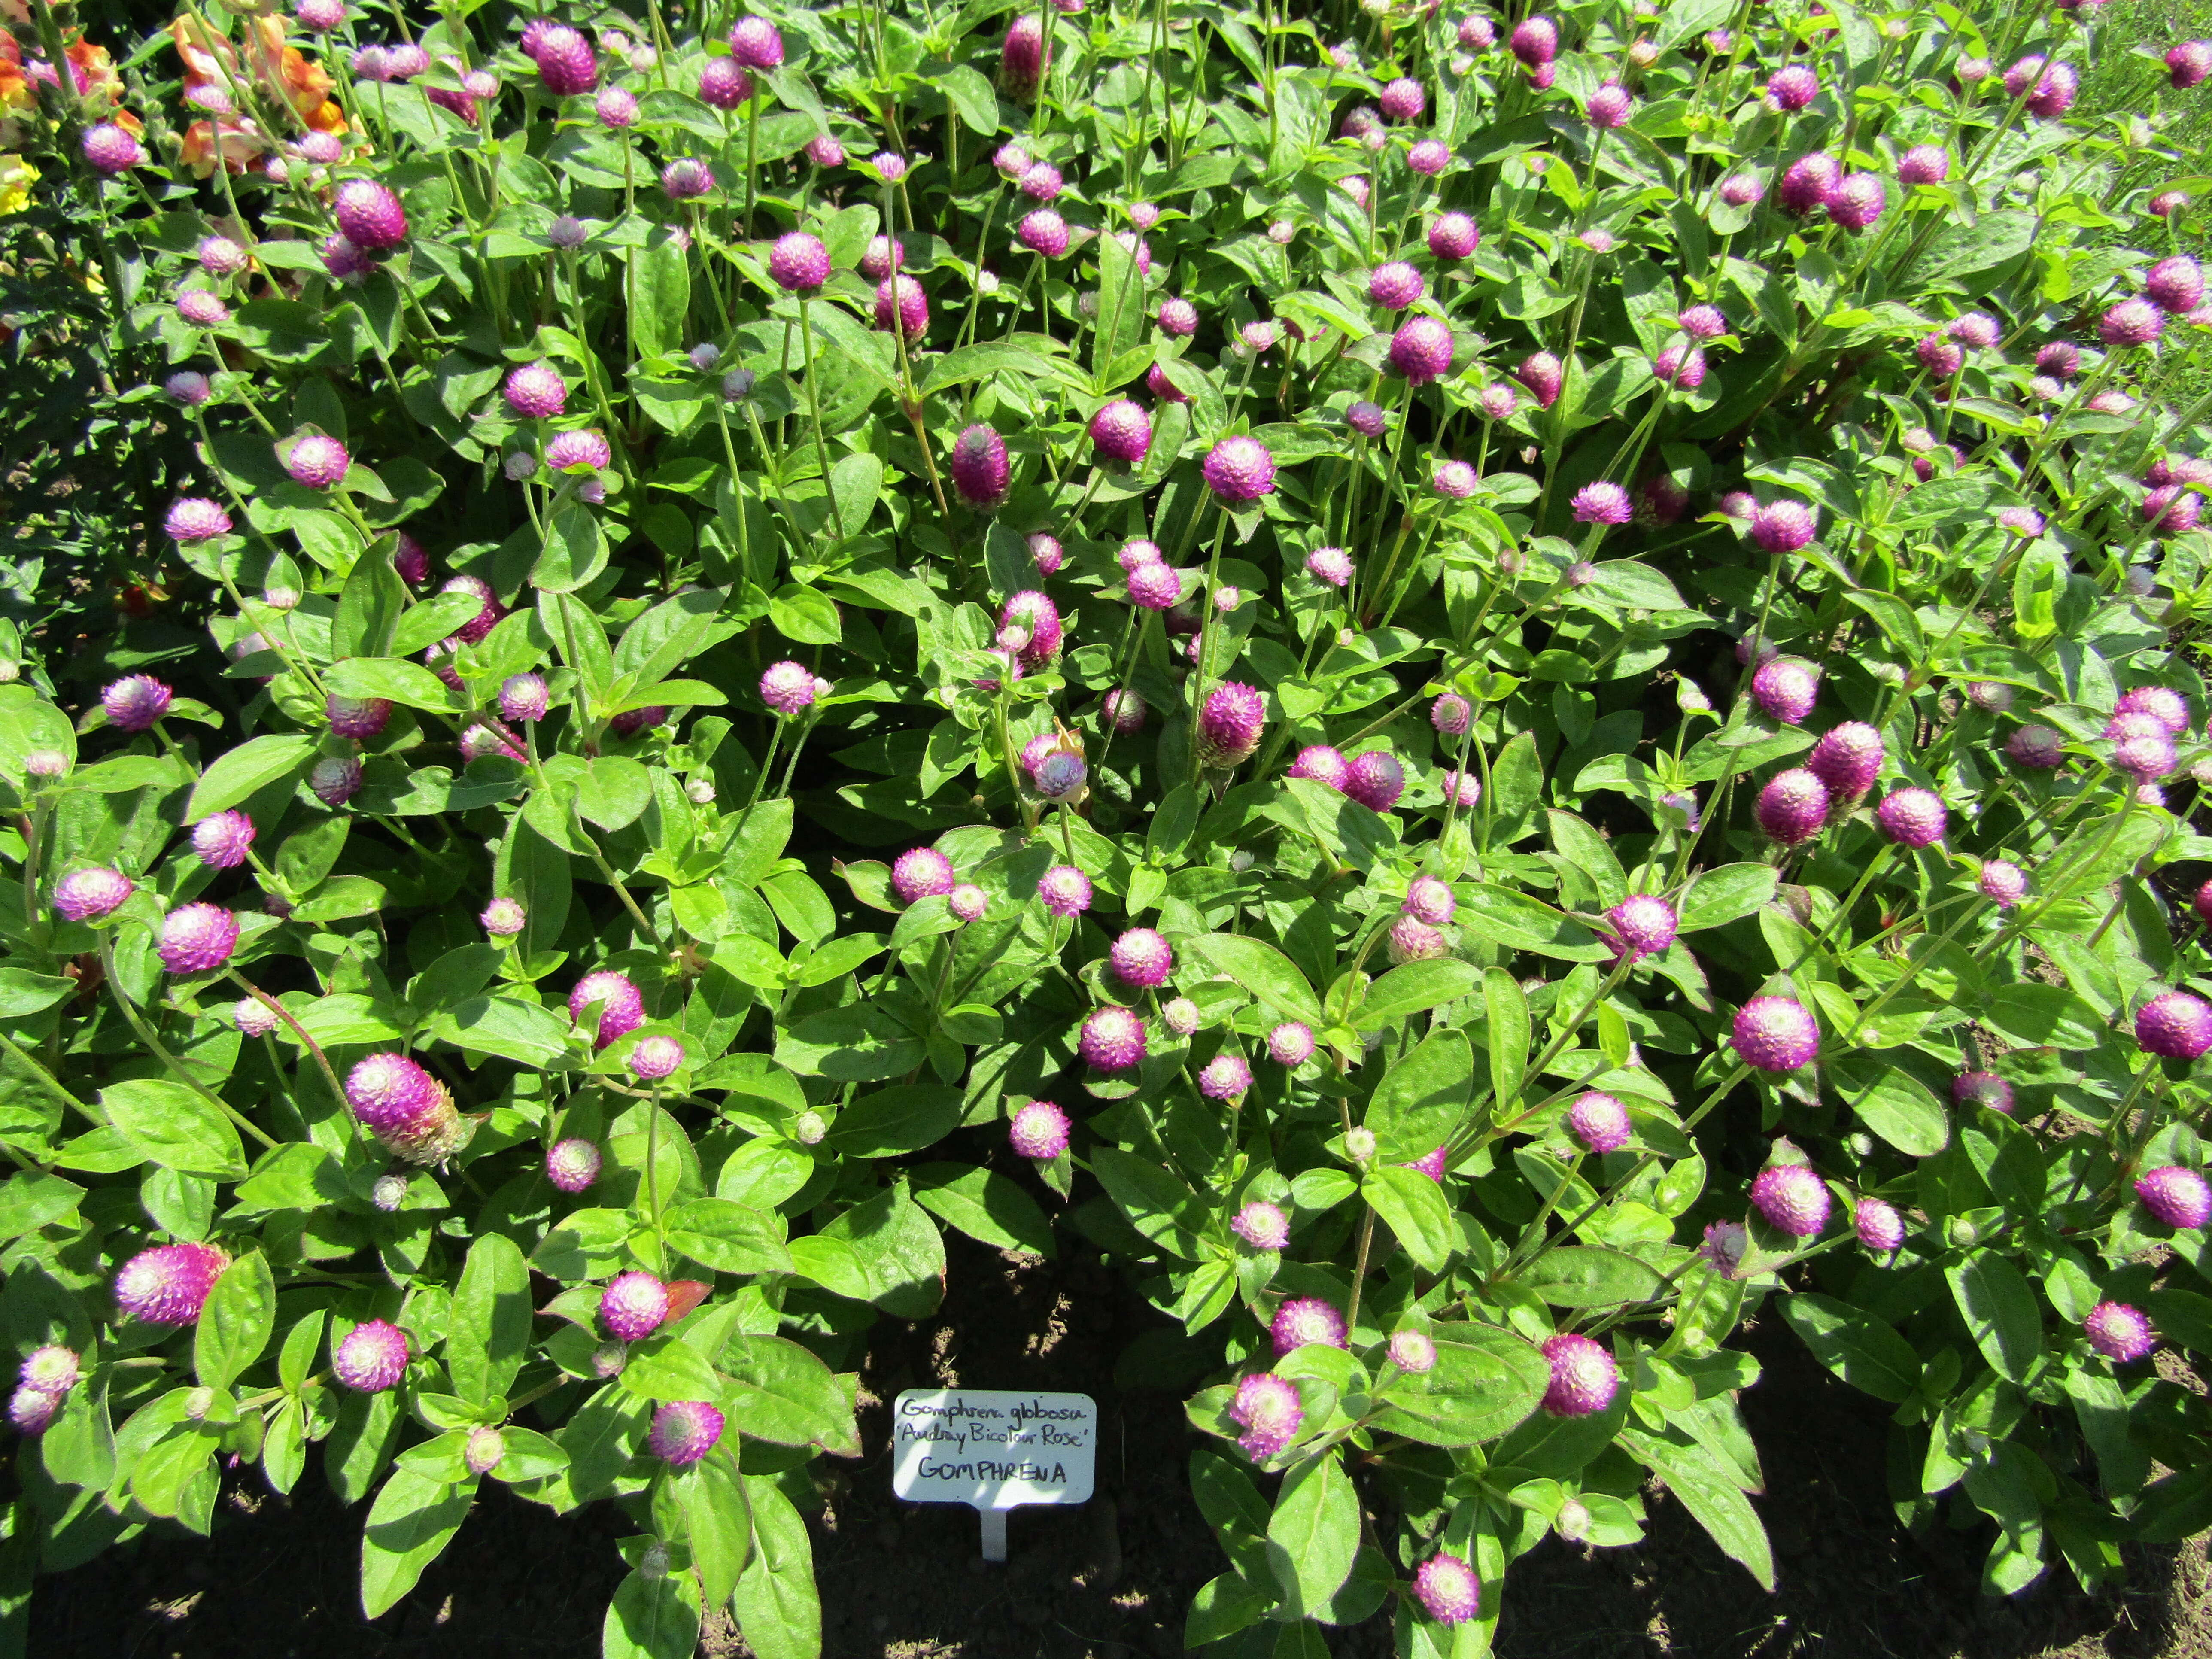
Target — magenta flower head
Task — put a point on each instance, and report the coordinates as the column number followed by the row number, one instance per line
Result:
column 2003, row 882
column 1912, row 817
column 572, row 1164
column 1367, row 419
column 1412, row 940
column 1268, row 1408
column 1806, row 184
column 1429, row 901
column 1448, row 1589
column 1740, row 190
column 654, row 1058
column 2050, row 92
column 1376, row 780
column 2175, row 285
column 135, row 702
column 1154, row 587
column 1451, row 713
column 1142, row 958
column 317, row 461
column 2170, row 510
column 1644, row 924
column 1122, row 433
column 1303, row 1319
column 1599, row 1122
column 197, row 938
column 1793, row 808
column 2188, row 63
column 1535, row 41
column 193, row 519
column 566, row 63
column 1023, row 55
column 2146, row 758
column 1039, row 1130
column 369, row 215
column 1791, row 88
column 1602, row 503
column 202, row 309
column 1429, row 157
column 1781, row 527
column 1879, row 1226
column 787, row 687
column 1943, row 359
column 1677, row 366
column 1290, row 1043
column 358, row 718
column 1112, row 1039
column 1240, row 470
column 110, row 149
column 2122, row 1333
column 525, row 698
column 1454, row 236
column 1225, row 1077
column 1403, row 100
column 1262, row 1225
column 2162, row 704
column 980, row 467
column 756, row 43
column 1043, row 232
column 799, row 263
column 371, row 1358
column 1324, row 765
column 1792, row 1198
column 1776, row 1033
column 169, row 1284
column 921, row 873
column 1983, row 1089
column 1065, row 890
column 221, row 839
column 633, row 1306
column 1584, row 1377
column 406, row 1109
column 1125, row 710
column 2036, row 746
column 912, row 307
column 536, row 391
column 1395, row 286
column 2131, row 323
column 52, row 1369
column 686, row 179
column 1178, row 318
column 1785, row 690
column 574, row 449
column 622, row 1009
column 1229, row 727
column 88, row 894
column 1421, row 350
column 1541, row 373
column 2174, row 1025
column 683, row 1432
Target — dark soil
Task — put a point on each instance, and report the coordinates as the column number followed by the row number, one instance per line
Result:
column 1111, row 1579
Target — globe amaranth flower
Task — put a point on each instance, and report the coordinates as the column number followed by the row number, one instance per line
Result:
column 1023, row 55
column 1912, row 817
column 1448, row 1589
column 1603, row 502
column 2121, row 1332
column 1792, row 1198
column 371, row 1358
column 568, row 450
column 196, row 937
column 621, row 1007
column 2175, row 284
column 1878, row 1225
column 1599, row 1122
column 1240, row 470
column 756, row 43
column 1262, row 1225
column 1365, row 418
column 135, row 702
column 921, row 873
column 1268, row 1408
column 369, row 215
column 1229, row 725
column 2049, row 91
column 2036, row 746
column 357, row 718
column 1376, row 780
column 407, row 1110
column 1178, row 318
column 535, row 391
column 572, row 1164
column 1411, row 940
column 1112, row 1039
column 1679, row 367
column 1740, row 190
column 683, row 1432
column 2131, row 323
column 1303, row 1319
column 2175, row 1196
column 202, row 309
column 2174, row 1025
column 686, row 179
column 1453, row 237
column 567, row 65
column 222, row 840
column 979, row 466
column 1857, row 201
column 633, row 1306
column 1455, row 480
column 1785, row 690
column 1806, row 184
column 1541, row 373
column 1781, row 527
column 1642, row 924
column 110, row 149
column 2003, row 882
column 1535, row 41
column 1124, row 710
column 1142, row 958
column 193, row 519
column 1122, row 433
column 1793, row 807
column 1584, row 1377
column 1039, row 1130
column 88, row 894
column 169, row 1284
column 1776, row 1033
column 655, row 1057
column 1791, row 88
column 1043, row 232
column 799, row 263
column 1225, row 1077
column 902, row 297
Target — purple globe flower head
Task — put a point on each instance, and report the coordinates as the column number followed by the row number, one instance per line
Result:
column 921, row 873
column 188, row 387
column 135, row 702
column 357, row 718
column 536, row 391
column 108, row 148
column 2144, row 758
column 33, row 1410
column 2036, row 746
column 1879, row 1226
column 1535, row 41
column 656, row 1057
column 1412, row 940
column 1262, row 1225
column 683, row 1432
column 2170, row 510
column 980, row 468
column 1455, row 480
column 1941, row 358
column 1792, row 87
column 799, row 263
column 1291, row 1044
column 1598, row 1124
column 1785, row 690
column 1540, row 372
column 1065, row 890
column 2174, row 1025
column 1913, row 818
column 1584, row 1377
column 336, row 779
column 1454, row 236
column 1447, row 1588
column 1035, row 619
column 1024, row 55
column 825, row 151
column 1042, row 182
column 1178, row 318
column 2003, row 882
column 2188, row 63
column 2175, row 285
column 1376, row 780
column 1225, row 1077
column 1124, row 710
column 52, row 1368
column 89, row 895
column 197, row 938
column 787, row 687
column 1703, row 323
column 1609, row 107
column 724, row 84
column 1112, row 1039
column 1477, row 32
column 219, row 255
column 2162, row 704
column 1806, row 184
column 2131, row 323
column 2174, row 1196
column 1726, row 1244
column 1062, row 776
column 316, row 460
column 169, row 1284
column 912, row 307
column 2060, row 359
column 1156, row 382
column 1776, row 1033
column 572, row 1164
column 1683, row 367
column 1421, row 349
column 622, row 1006
column 1303, row 1319
column 223, row 839
column 1121, row 433
column 1603, row 502
column 192, row 520
column 2121, row 1332
column 1792, row 1198
column 407, row 1110
column 1239, row 471
column 1499, row 401
column 633, row 1306
column 967, row 902
column 1142, row 958
column 1990, row 696
column 756, row 43
column 1268, row 1408
column 1429, row 901
column 567, row 65
column 371, row 1358
column 1043, row 232
column 1395, row 286
column 1783, row 526
column 1322, row 764
column 686, row 179
column 1793, row 807
column 884, row 254
column 1740, row 190
column 1403, row 100
column 588, row 449
column 525, row 698
column 2049, row 91
column 1366, row 419
column 1642, row 924
column 1229, row 726
column 319, row 17
column 202, row 309
column 369, row 215
column 1039, row 1130
column 1429, row 158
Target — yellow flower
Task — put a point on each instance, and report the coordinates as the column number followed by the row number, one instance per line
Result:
column 16, row 178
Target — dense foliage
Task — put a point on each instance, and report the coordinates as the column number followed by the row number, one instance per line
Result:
column 1485, row 692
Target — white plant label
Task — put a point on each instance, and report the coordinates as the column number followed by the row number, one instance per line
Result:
column 993, row 1450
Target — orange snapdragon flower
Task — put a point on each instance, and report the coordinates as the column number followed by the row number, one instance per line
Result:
column 279, row 70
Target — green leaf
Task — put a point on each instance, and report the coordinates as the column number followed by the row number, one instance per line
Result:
column 2030, row 1015
column 1154, row 1202
column 719, row 1522
column 986, row 358
column 575, row 553
column 1313, row 1534
column 437, row 617
column 1485, row 1384
column 23, row 993
column 1263, row 970
column 407, row 684
column 1503, row 916
column 650, row 1619
column 1707, row 1489
column 1413, row 987
column 778, row 1609
column 1508, row 1037
column 1866, row 1352
column 1414, row 1207
column 728, row 1237
column 411, row 1521
column 1894, row 1103
column 489, row 1335
column 890, row 1121
column 856, row 483
column 783, row 1392
column 505, row 1027
column 1423, row 1097
column 1716, row 897
column 983, row 1205
column 659, row 293
column 899, row 1251
column 237, row 1322
column 370, row 603
column 254, row 764
column 1588, row 1276
column 665, row 1367
column 2000, row 1309
column 175, row 1128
